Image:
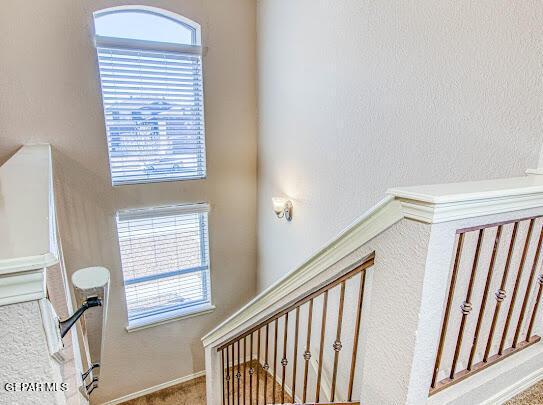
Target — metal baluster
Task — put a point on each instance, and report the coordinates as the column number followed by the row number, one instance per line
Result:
column 274, row 381
column 284, row 360
column 258, row 368
column 466, row 305
column 251, row 371
column 266, row 366
column 223, row 379
column 337, row 343
column 356, row 333
column 228, row 377
column 307, row 353
column 244, row 367
column 295, row 360
column 534, row 310
column 485, row 296
column 501, row 294
column 445, row 323
column 323, row 331
column 238, row 374
column 528, row 290
column 515, row 289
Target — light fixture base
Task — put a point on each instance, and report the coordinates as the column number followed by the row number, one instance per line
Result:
column 288, row 210
column 282, row 208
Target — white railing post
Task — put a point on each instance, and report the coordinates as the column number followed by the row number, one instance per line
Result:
column 408, row 285
column 213, row 375
column 430, row 309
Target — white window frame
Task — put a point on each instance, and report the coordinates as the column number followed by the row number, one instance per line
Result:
column 134, row 44
column 146, row 321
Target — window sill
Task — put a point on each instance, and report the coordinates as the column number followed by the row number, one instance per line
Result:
column 167, row 317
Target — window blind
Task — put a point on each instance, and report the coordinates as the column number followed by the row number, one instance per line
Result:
column 165, row 259
column 153, row 106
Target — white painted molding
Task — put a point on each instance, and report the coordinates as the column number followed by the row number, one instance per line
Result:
column 28, row 239
column 52, row 330
column 428, row 204
column 22, row 264
column 22, row 286
column 537, row 171
column 155, row 388
column 433, row 213
column 455, row 201
column 496, row 384
column 372, row 223
column 512, row 390
column 27, row 212
column 170, row 316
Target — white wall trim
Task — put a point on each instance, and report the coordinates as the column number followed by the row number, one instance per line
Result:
column 28, row 239
column 375, row 221
column 498, row 383
column 168, row 317
column 155, row 388
column 21, row 264
column 52, row 329
column 22, row 286
column 433, row 213
column 539, row 170
column 515, row 389
column 455, row 201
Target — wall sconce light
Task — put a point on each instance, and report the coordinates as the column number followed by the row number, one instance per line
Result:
column 282, row 208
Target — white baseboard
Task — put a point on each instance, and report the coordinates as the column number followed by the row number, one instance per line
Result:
column 515, row 389
column 537, row 171
column 498, row 383
column 155, row 388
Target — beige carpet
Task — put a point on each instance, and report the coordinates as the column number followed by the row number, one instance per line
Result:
column 532, row 396
column 189, row 393
column 194, row 392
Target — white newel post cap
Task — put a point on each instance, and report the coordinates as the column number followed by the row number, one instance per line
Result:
column 90, row 278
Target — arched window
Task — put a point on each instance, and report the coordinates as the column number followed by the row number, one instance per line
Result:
column 152, row 90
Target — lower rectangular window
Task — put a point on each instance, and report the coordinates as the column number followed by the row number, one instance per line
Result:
column 165, row 260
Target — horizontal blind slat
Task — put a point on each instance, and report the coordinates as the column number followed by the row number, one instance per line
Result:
column 153, row 108
column 164, row 259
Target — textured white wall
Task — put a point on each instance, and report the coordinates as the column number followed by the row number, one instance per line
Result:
column 24, row 356
column 357, row 96
column 50, row 93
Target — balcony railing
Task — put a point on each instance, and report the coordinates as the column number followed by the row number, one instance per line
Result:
column 499, row 260
column 454, row 288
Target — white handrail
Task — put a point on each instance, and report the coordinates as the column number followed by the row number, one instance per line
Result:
column 377, row 219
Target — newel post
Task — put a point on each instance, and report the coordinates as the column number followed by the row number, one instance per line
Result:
column 435, row 280
column 213, row 363
column 408, row 288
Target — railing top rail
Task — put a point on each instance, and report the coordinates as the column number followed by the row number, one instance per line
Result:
column 495, row 224
column 428, row 204
column 28, row 239
column 471, row 190
column 360, row 266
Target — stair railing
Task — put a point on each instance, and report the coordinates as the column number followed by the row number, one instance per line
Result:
column 273, row 349
column 452, row 288
column 500, row 263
